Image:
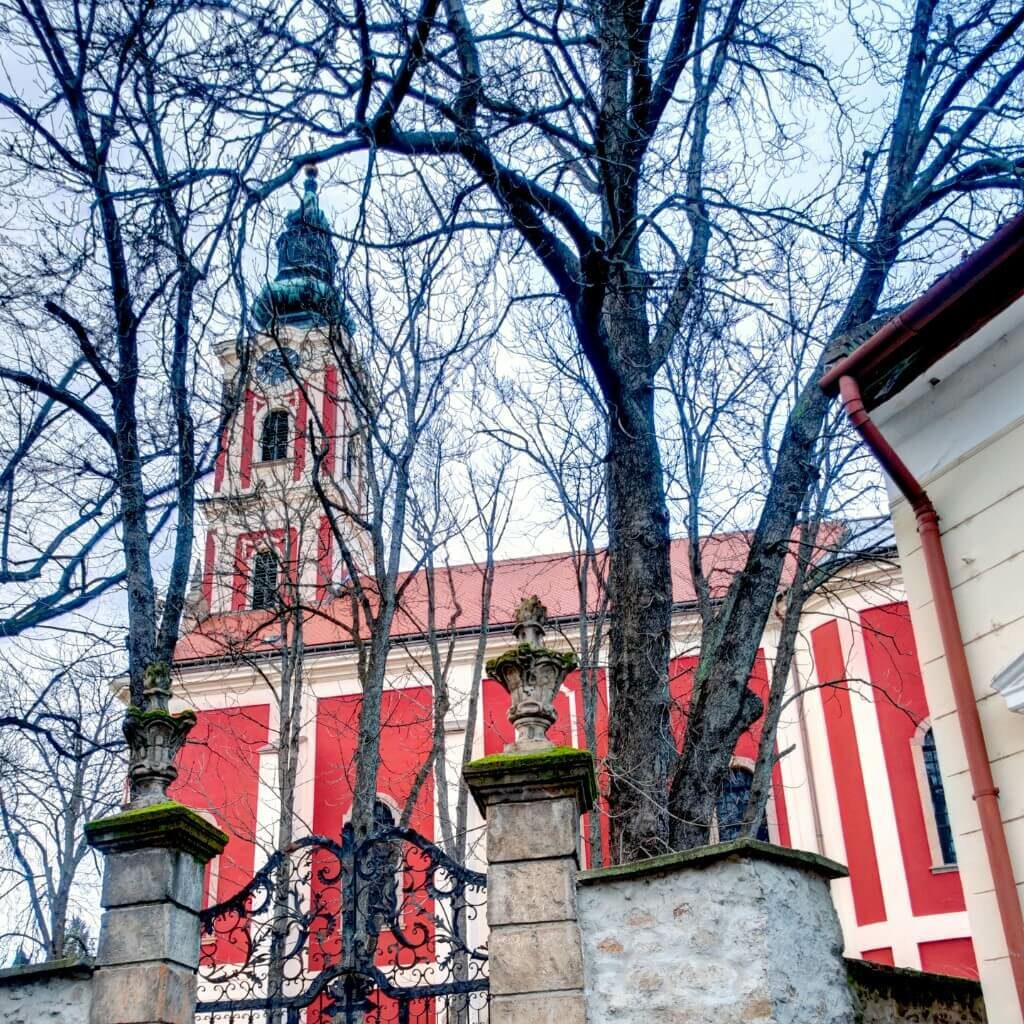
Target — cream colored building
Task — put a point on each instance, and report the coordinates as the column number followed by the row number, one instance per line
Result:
column 938, row 395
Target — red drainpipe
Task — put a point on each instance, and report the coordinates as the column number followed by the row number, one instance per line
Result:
column 986, row 796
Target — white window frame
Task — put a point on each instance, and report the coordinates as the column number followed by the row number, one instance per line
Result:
column 924, row 792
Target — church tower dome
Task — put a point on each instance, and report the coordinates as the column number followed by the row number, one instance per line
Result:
column 304, row 293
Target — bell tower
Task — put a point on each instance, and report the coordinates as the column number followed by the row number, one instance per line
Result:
column 266, row 528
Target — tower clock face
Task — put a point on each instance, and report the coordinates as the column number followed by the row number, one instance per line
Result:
column 273, row 366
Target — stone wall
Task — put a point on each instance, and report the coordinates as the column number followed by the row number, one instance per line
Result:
column 884, row 995
column 54, row 993
column 740, row 933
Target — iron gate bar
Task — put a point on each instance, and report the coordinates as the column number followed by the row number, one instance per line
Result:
column 393, row 873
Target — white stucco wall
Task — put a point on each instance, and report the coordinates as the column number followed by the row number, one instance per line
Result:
column 960, row 429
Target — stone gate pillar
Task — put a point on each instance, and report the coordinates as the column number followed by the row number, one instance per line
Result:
column 152, row 894
column 154, row 855
column 532, row 803
column 532, row 797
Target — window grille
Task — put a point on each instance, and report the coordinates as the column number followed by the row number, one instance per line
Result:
column 938, row 795
column 274, row 437
column 264, row 580
column 731, row 804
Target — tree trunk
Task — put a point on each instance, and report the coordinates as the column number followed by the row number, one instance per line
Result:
column 722, row 706
column 640, row 748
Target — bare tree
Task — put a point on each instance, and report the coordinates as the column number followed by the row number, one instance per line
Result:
column 118, row 210
column 635, row 154
column 477, row 519
column 48, row 791
column 555, row 425
column 412, row 340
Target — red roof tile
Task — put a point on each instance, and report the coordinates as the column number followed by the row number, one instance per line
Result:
column 458, row 600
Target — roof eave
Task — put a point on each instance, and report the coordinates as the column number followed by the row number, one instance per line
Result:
column 950, row 311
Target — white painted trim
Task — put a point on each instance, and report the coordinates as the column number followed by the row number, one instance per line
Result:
column 1009, row 682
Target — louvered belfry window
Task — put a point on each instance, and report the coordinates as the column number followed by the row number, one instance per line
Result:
column 264, row 580
column 274, row 437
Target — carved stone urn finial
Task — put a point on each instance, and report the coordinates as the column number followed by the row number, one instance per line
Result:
column 532, row 674
column 154, row 738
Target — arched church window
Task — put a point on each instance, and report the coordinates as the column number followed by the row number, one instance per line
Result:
column 943, row 828
column 731, row 804
column 274, row 436
column 350, row 458
column 264, row 580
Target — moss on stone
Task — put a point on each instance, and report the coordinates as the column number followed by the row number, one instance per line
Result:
column 168, row 824
column 536, row 768
column 524, row 651
column 70, row 966
column 154, row 713
column 702, row 855
column 535, row 758
column 901, row 993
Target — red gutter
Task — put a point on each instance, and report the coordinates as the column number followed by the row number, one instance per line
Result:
column 986, row 796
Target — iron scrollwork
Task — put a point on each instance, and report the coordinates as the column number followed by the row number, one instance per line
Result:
column 371, row 931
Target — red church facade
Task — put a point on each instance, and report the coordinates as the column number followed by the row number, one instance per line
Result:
column 857, row 773
column 856, row 777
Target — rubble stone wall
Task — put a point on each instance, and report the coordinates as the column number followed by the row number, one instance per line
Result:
column 742, row 933
column 883, row 995
column 55, row 993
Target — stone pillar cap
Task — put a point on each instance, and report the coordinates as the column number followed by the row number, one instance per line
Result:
column 168, row 826
column 543, row 774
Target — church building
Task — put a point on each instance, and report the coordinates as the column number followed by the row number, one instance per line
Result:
column 858, row 775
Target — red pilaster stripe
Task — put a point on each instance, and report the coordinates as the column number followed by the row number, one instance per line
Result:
column 894, row 670
column 323, row 558
column 247, row 438
column 301, row 413
column 330, row 417
column 208, row 563
column 861, row 857
column 222, row 460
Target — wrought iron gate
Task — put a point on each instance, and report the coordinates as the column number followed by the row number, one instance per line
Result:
column 378, row 931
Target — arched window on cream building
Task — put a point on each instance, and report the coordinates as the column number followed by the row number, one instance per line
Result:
column 933, row 798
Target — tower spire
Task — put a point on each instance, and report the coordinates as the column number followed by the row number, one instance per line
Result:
column 304, row 292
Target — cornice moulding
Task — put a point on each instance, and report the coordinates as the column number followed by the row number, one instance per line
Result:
column 1010, row 683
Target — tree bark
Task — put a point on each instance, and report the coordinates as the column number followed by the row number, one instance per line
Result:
column 640, row 747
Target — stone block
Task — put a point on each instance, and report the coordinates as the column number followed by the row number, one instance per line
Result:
column 155, row 993
column 533, row 830
column 152, row 931
column 150, row 876
column 539, row 1008
column 535, row 958
column 531, row 891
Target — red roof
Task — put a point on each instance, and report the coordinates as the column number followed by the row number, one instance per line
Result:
column 458, row 600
